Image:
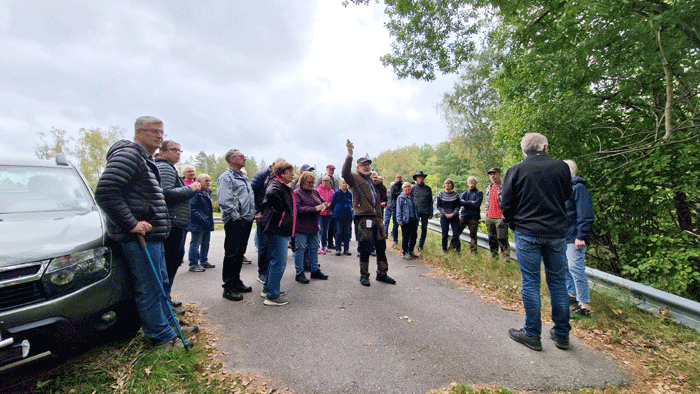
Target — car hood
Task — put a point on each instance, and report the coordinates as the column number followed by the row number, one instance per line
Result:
column 41, row 236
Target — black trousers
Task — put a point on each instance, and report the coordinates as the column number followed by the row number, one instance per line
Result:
column 235, row 245
column 409, row 234
column 445, row 225
column 174, row 251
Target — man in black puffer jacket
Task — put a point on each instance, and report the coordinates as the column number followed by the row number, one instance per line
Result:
column 130, row 195
column 177, row 198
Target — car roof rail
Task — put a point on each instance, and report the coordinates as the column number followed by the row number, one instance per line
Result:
column 61, row 159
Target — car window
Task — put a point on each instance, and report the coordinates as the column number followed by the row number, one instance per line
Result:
column 39, row 189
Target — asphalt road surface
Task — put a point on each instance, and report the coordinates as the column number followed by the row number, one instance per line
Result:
column 336, row 336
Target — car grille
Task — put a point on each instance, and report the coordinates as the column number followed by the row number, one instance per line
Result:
column 21, row 294
column 25, row 291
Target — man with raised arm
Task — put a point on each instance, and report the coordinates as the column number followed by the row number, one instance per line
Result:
column 367, row 206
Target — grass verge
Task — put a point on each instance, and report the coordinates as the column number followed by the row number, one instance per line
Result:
column 662, row 355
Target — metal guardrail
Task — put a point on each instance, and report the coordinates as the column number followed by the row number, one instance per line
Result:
column 647, row 298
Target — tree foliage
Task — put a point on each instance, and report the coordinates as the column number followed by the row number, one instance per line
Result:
column 92, row 147
column 56, row 142
column 614, row 85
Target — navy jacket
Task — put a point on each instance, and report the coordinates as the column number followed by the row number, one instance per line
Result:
column 201, row 213
column 471, row 210
column 341, row 204
column 258, row 184
column 579, row 212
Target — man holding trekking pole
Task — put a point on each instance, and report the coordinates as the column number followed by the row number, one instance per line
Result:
column 130, row 194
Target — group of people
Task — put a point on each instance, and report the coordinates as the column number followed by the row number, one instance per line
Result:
column 147, row 202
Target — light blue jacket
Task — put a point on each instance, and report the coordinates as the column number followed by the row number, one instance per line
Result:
column 235, row 196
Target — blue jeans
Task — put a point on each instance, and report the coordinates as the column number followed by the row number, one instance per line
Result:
column 153, row 307
column 391, row 214
column 199, row 247
column 423, row 218
column 263, row 251
column 277, row 252
column 343, row 229
column 305, row 251
column 325, row 222
column 576, row 279
column 531, row 252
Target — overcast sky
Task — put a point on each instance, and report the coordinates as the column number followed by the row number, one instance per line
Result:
column 272, row 78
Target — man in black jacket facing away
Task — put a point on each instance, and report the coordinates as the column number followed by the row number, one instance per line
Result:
column 130, row 195
column 533, row 203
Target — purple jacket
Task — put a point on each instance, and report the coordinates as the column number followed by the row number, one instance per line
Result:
column 307, row 215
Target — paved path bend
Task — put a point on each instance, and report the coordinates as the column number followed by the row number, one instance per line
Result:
column 423, row 333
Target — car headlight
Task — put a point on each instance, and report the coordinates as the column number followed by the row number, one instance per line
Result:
column 72, row 271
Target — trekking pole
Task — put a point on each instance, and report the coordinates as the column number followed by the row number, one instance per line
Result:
column 142, row 241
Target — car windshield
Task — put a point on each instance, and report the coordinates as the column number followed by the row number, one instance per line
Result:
column 27, row 189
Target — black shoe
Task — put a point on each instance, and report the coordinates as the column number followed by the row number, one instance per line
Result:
column 232, row 295
column 364, row 281
column 319, row 275
column 178, row 311
column 175, row 343
column 415, row 256
column 241, row 288
column 573, row 301
column 301, row 278
column 175, row 304
column 331, row 246
column 386, row 279
column 521, row 337
column 581, row 311
column 186, row 328
column 559, row 341
column 246, row 260
column 207, row 265
column 337, row 253
column 347, row 253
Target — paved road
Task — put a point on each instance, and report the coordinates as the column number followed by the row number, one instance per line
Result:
column 337, row 336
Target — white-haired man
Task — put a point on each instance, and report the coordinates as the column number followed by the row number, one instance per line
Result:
column 533, row 203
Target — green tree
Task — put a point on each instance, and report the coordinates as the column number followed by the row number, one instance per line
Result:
column 614, row 85
column 57, row 142
column 91, row 150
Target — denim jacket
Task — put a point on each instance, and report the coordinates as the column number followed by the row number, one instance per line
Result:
column 406, row 209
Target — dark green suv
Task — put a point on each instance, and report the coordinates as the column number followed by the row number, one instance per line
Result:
column 61, row 280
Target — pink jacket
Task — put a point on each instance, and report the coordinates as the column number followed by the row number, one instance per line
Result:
column 327, row 195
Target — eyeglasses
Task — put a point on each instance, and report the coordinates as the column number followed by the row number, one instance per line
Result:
column 155, row 131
